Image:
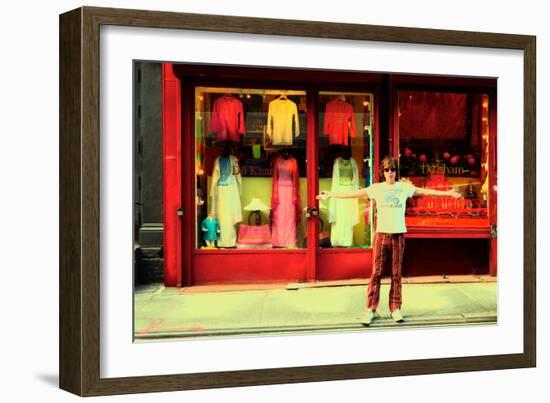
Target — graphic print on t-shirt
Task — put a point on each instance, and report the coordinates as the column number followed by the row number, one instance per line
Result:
column 392, row 199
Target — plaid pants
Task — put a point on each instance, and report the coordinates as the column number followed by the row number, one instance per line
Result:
column 386, row 246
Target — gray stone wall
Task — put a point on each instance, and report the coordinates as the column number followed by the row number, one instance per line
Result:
column 148, row 227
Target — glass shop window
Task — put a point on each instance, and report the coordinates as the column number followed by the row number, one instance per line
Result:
column 251, row 168
column 346, row 163
column 443, row 144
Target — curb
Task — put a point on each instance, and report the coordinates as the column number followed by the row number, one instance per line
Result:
column 481, row 319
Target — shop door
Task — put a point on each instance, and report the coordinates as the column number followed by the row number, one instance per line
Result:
column 346, row 142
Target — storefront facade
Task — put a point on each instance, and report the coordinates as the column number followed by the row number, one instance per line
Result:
column 246, row 150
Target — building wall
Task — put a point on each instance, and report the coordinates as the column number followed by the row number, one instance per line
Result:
column 148, row 227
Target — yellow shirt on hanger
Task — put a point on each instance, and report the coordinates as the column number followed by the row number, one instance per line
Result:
column 281, row 116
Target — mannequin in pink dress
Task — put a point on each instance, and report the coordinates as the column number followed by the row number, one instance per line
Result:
column 285, row 200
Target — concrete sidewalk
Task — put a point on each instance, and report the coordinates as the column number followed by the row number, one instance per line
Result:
column 251, row 309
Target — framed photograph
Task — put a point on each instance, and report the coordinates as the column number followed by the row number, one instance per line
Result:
column 236, row 195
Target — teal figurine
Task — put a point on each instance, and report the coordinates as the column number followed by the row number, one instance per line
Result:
column 210, row 229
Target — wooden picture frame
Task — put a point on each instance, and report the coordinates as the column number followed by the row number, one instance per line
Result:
column 79, row 201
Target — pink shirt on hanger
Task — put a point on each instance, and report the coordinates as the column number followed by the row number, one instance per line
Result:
column 228, row 118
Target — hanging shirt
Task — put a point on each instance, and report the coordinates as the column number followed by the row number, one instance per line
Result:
column 228, row 118
column 391, row 201
column 282, row 116
column 339, row 122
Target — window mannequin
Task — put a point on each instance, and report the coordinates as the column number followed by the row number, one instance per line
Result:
column 343, row 213
column 286, row 206
column 225, row 196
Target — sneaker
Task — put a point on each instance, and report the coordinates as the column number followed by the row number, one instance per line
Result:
column 368, row 317
column 396, row 315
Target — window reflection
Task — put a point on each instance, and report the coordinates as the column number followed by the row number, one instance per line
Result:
column 443, row 144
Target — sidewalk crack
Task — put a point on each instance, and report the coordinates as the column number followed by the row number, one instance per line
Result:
column 262, row 311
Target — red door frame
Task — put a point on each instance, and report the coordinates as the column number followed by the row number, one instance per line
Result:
column 493, row 181
column 188, row 180
column 171, row 167
column 312, row 149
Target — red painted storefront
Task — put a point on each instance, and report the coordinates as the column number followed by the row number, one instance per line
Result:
column 435, row 246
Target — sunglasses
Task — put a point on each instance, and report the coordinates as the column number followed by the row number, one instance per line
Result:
column 389, row 169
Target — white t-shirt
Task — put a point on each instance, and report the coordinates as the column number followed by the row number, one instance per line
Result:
column 391, row 202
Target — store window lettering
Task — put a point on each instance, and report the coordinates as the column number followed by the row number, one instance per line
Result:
column 250, row 170
column 442, row 169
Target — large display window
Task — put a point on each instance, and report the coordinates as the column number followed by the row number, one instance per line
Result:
column 251, row 155
column 444, row 144
column 250, row 147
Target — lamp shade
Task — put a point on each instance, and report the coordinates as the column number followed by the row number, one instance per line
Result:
column 256, row 204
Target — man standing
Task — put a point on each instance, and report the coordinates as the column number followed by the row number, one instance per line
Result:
column 389, row 238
